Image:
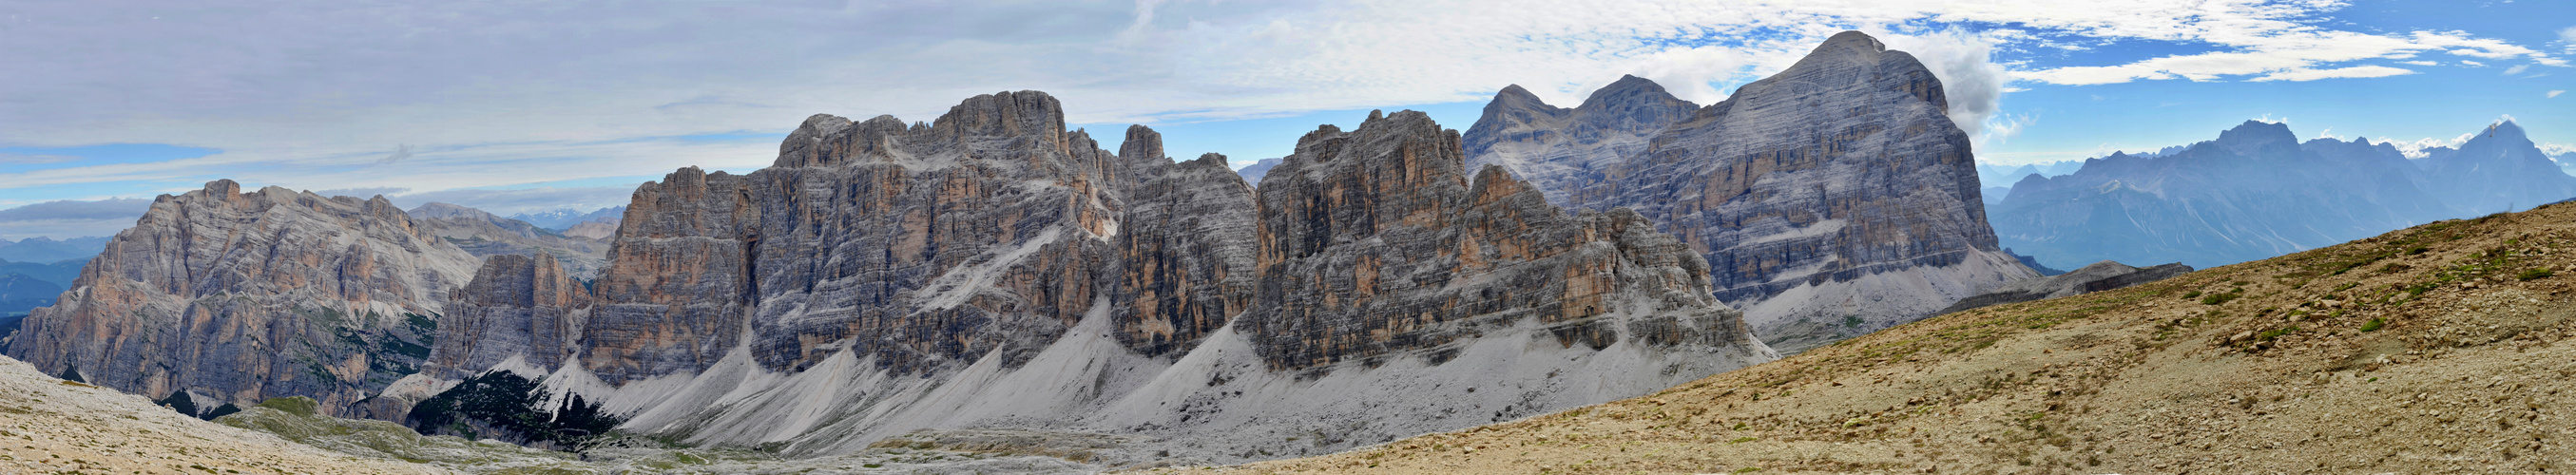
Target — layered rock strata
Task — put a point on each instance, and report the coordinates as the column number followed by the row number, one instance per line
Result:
column 236, row 297
column 1831, row 199
column 992, row 270
column 1375, row 242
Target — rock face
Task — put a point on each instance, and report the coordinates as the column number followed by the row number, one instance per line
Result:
column 236, row 297
column 1831, row 199
column 484, row 234
column 517, row 307
column 1562, row 150
column 1374, row 242
column 1184, row 261
column 990, row 269
column 2253, row 193
column 2100, row 276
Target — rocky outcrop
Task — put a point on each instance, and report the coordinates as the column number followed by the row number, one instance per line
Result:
column 1374, row 242
column 1831, row 199
column 236, row 297
column 2100, row 276
column 484, row 234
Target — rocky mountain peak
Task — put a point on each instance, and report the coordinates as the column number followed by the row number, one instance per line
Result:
column 2254, row 133
column 1389, row 235
column 1143, row 146
column 1627, row 89
column 1848, row 42
column 1005, row 114
column 237, row 297
column 2506, row 130
column 1813, row 184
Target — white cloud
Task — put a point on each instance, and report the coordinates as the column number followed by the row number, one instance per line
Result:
column 2268, row 39
column 2516, row 69
column 2351, row 72
column 2419, row 147
column 2418, row 63
column 2473, row 63
column 308, row 94
column 70, row 219
column 22, row 159
column 1974, row 83
column 2553, row 94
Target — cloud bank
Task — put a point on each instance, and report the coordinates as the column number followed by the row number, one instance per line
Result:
column 309, row 93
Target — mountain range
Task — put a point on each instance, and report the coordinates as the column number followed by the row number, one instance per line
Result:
column 993, row 271
column 563, row 219
column 2257, row 192
column 47, row 250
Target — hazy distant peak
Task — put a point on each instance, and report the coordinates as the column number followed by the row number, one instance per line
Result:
column 437, row 210
column 2505, row 129
column 2255, row 130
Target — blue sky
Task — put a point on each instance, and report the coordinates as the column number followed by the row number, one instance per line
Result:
column 528, row 107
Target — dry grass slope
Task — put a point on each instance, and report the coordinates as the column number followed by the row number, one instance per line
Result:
column 2443, row 347
column 49, row 425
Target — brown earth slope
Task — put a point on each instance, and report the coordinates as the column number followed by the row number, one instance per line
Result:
column 49, row 425
column 2271, row 366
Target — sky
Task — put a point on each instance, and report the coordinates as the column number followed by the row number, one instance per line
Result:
column 533, row 106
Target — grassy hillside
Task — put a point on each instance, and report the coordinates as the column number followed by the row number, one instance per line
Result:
column 2442, row 347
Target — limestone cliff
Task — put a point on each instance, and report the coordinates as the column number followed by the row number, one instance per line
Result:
column 1374, row 242
column 236, row 297
column 991, row 269
column 1831, row 199
column 1556, row 148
